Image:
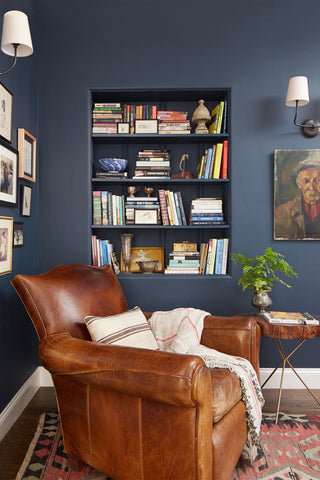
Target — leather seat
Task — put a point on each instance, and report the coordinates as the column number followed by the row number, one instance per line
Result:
column 131, row 413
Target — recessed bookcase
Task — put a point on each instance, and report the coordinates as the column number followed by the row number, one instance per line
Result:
column 128, row 145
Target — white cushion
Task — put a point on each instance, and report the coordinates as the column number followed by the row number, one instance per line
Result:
column 129, row 328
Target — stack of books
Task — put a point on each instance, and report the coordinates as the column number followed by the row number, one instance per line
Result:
column 214, row 256
column 153, row 163
column 290, row 318
column 172, row 210
column 105, row 117
column 142, row 210
column 206, row 211
column 184, row 259
column 214, row 162
column 172, row 122
column 107, row 208
column 219, row 118
column 103, row 254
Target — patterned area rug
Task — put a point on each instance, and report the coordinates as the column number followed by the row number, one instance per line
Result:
column 288, row 451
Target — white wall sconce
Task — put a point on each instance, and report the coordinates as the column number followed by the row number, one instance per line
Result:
column 297, row 96
column 16, row 38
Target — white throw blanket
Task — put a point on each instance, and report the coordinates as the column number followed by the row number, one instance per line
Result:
column 180, row 330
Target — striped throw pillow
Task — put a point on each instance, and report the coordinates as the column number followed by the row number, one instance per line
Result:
column 130, row 329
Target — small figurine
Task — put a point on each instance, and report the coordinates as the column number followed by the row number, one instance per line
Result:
column 201, row 116
column 183, row 173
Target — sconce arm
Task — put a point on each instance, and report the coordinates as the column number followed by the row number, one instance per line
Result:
column 15, row 46
column 309, row 128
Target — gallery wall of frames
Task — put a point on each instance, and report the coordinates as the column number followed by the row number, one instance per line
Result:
column 17, row 175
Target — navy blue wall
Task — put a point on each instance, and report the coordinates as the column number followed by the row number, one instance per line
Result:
column 252, row 47
column 18, row 344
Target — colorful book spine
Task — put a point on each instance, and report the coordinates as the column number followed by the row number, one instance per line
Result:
column 224, row 163
column 96, row 207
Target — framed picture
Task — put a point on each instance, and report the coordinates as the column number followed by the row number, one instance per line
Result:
column 25, row 206
column 143, row 254
column 27, row 155
column 146, row 126
column 5, row 112
column 18, row 234
column 123, row 127
column 297, row 194
column 6, row 229
column 145, row 216
column 8, row 175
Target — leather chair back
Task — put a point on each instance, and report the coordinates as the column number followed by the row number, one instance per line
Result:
column 57, row 301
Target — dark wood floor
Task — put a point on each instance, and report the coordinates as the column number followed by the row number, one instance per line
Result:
column 15, row 444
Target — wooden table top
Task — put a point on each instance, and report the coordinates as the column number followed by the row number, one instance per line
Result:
column 288, row 331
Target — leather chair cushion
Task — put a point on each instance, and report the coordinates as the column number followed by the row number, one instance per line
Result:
column 226, row 392
column 129, row 329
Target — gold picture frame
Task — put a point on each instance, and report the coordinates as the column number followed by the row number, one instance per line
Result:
column 27, row 144
column 144, row 253
column 6, row 237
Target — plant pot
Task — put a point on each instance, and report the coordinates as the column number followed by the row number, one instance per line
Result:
column 261, row 300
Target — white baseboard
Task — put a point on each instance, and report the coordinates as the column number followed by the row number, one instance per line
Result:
column 42, row 378
column 311, row 376
column 11, row 413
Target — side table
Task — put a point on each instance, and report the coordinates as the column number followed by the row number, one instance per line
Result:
column 281, row 332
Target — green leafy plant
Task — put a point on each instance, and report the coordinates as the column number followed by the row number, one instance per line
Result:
column 259, row 273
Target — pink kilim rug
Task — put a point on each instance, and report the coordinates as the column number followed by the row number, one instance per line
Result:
column 288, row 451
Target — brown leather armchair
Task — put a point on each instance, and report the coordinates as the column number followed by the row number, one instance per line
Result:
column 136, row 414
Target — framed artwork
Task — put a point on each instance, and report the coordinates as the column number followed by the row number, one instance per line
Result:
column 8, row 175
column 297, row 194
column 6, row 229
column 25, row 206
column 5, row 112
column 146, row 126
column 18, row 234
column 143, row 254
column 27, row 155
column 145, row 216
column 123, row 127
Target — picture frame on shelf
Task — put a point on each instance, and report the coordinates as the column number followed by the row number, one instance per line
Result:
column 18, row 234
column 5, row 113
column 6, row 233
column 123, row 128
column 27, row 144
column 146, row 126
column 26, row 197
column 8, row 175
column 146, row 216
column 144, row 254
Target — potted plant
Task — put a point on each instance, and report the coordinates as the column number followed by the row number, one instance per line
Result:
column 260, row 273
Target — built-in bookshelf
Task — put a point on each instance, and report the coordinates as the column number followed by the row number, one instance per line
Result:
column 136, row 114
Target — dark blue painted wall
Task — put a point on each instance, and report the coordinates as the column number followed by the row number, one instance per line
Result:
column 252, row 47
column 18, row 344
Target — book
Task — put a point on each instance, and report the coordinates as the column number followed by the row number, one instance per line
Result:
column 290, row 318
column 224, row 162
column 225, row 256
column 163, row 207
column 214, row 118
column 96, row 208
column 219, row 255
column 203, row 257
column 212, row 261
column 185, row 247
column 217, row 161
column 220, row 116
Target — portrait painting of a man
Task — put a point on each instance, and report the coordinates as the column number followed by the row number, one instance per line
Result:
column 297, row 194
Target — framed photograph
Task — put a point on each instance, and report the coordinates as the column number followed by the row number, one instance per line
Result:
column 5, row 112
column 123, row 127
column 146, row 126
column 18, row 234
column 8, row 175
column 145, row 216
column 6, row 229
column 297, row 194
column 143, row 254
column 27, row 155
column 25, row 206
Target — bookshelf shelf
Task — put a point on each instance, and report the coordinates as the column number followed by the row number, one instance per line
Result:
column 128, row 146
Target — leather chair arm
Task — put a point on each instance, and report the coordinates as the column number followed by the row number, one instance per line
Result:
column 237, row 335
column 175, row 379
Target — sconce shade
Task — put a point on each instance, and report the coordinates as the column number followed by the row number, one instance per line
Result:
column 297, row 91
column 16, row 30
